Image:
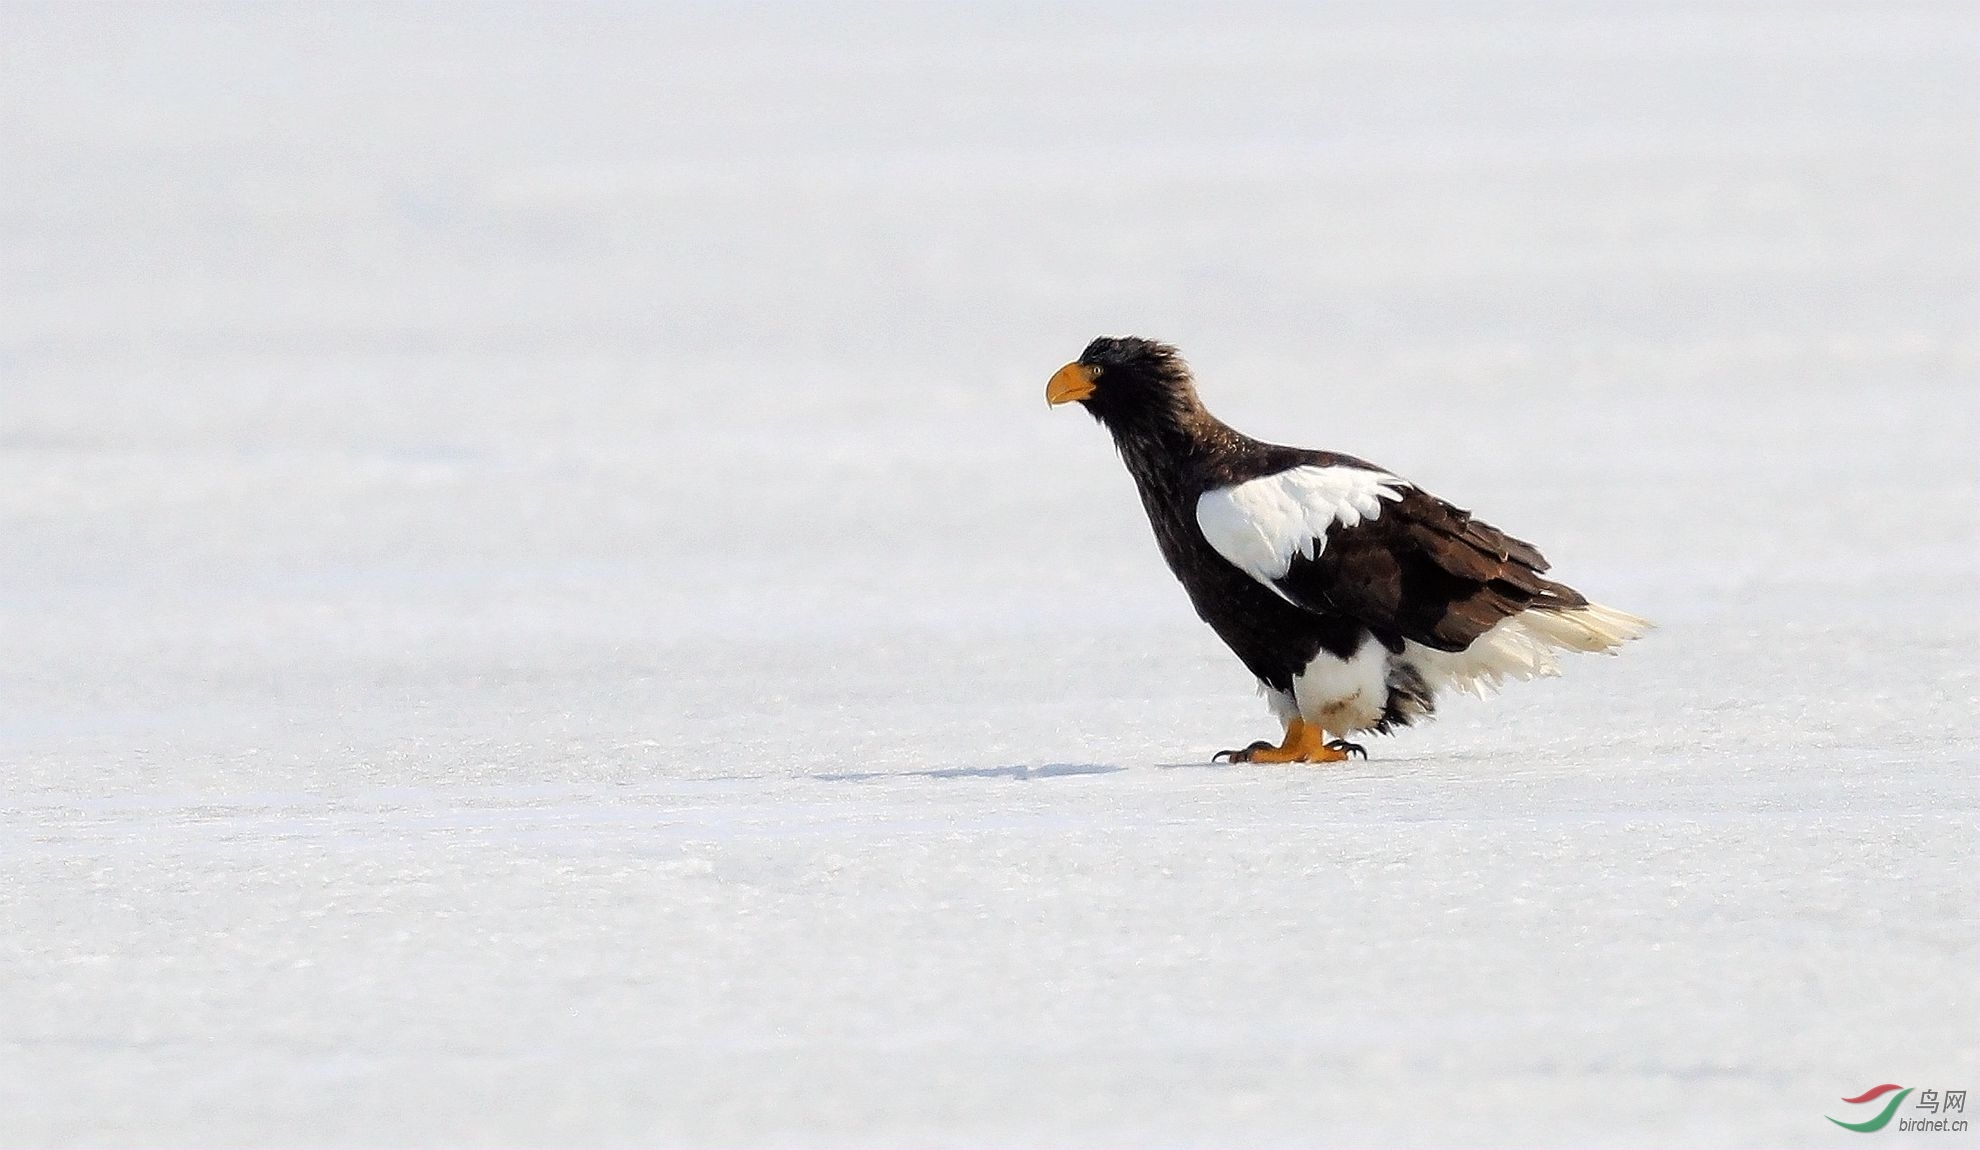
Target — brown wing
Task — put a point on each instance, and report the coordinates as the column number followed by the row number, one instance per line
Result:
column 1425, row 571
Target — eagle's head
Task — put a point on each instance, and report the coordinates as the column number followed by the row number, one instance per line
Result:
column 1126, row 382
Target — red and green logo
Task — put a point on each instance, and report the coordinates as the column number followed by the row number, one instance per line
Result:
column 1883, row 1119
column 1929, row 1112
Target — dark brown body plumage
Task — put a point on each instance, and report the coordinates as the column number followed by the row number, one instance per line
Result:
column 1422, row 571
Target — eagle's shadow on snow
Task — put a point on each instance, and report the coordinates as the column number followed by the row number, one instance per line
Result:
column 1019, row 771
column 1023, row 772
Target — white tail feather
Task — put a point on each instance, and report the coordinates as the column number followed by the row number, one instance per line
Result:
column 1590, row 628
column 1523, row 647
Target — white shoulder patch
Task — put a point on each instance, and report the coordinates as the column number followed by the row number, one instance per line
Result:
column 1259, row 525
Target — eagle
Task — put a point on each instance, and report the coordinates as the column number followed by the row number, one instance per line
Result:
column 1353, row 595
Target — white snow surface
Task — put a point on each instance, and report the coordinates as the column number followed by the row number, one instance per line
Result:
column 542, row 604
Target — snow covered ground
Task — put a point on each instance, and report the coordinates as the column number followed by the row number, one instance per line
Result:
column 541, row 603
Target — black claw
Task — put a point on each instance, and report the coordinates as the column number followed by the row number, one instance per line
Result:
column 1243, row 756
column 1347, row 748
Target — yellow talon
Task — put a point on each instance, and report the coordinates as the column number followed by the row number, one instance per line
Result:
column 1304, row 743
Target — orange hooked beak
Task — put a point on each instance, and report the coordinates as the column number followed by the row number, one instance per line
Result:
column 1069, row 384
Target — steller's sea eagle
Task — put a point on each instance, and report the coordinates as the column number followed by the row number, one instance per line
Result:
column 1353, row 595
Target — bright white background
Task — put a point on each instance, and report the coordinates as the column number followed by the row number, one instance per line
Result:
column 540, row 601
